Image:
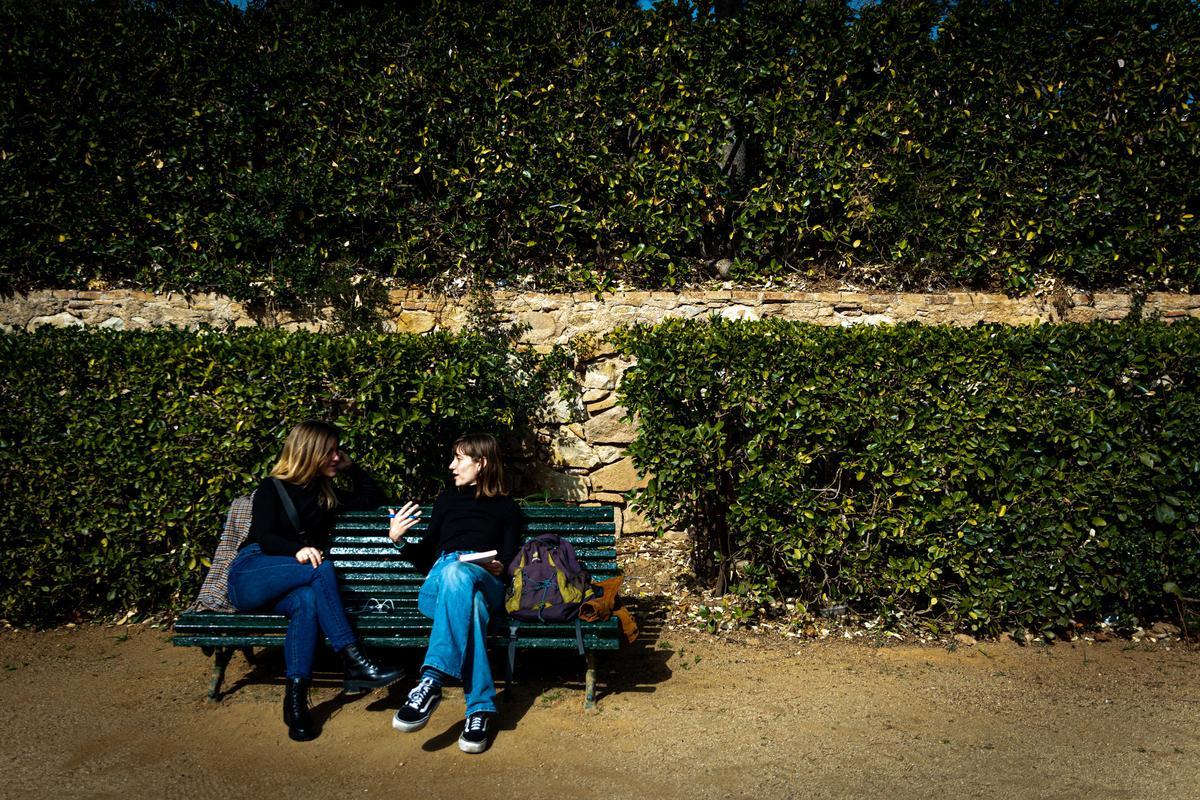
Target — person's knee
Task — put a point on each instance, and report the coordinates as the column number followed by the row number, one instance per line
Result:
column 325, row 572
column 457, row 577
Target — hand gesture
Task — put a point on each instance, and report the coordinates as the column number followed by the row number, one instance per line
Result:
column 309, row 555
column 403, row 519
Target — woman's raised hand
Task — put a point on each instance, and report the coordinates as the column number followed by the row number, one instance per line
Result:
column 309, row 555
column 403, row 519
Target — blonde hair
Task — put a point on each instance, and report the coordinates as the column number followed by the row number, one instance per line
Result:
column 483, row 446
column 304, row 452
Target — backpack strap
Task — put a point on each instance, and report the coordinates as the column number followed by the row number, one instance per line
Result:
column 579, row 636
column 514, row 625
column 288, row 506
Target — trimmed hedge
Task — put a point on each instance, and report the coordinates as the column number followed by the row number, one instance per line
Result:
column 119, row 452
column 304, row 152
column 982, row 478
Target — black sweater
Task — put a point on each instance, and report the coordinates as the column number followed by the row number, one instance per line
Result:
column 460, row 521
column 271, row 529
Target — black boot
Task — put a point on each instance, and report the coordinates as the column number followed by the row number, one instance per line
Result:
column 363, row 674
column 296, row 715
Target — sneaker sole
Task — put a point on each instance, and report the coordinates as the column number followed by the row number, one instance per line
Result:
column 358, row 687
column 409, row 727
column 473, row 747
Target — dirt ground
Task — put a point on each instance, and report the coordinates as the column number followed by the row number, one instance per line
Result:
column 117, row 711
column 105, row 711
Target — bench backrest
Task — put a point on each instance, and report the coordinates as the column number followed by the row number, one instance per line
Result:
column 372, row 570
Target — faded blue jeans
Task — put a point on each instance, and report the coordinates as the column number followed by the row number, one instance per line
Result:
column 460, row 599
column 307, row 596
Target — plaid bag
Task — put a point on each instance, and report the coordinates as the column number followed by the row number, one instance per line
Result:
column 214, row 594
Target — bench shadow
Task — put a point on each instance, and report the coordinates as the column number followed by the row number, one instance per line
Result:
column 267, row 666
column 546, row 675
column 541, row 675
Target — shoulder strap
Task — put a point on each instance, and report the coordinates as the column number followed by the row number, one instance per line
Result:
column 288, row 506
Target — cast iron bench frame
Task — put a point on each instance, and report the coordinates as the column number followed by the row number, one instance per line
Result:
column 379, row 590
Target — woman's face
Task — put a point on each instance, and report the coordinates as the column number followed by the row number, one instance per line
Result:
column 465, row 469
column 332, row 460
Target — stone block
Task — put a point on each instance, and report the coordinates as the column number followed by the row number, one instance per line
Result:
column 601, row 405
column 608, row 454
column 604, row 374
column 609, row 427
column 415, row 322
column 542, row 327
column 568, row 409
column 739, row 313
column 634, row 523
column 568, row 450
column 61, row 320
column 559, row 485
column 799, row 310
column 617, row 477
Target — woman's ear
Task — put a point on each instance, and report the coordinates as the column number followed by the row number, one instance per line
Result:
column 482, row 462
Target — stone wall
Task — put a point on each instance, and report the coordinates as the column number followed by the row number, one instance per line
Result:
column 586, row 441
column 556, row 318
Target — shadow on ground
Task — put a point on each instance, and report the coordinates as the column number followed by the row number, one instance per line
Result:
column 540, row 674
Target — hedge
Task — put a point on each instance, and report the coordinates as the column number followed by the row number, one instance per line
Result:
column 309, row 152
column 119, row 452
column 983, row 478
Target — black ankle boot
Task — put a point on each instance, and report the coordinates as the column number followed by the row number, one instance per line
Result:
column 363, row 674
column 296, row 715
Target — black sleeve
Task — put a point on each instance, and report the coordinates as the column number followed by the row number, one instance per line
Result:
column 424, row 552
column 513, row 533
column 365, row 492
column 269, row 523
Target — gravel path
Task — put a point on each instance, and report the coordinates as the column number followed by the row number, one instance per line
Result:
column 103, row 711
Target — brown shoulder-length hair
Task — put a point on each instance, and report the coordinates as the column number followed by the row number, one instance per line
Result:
column 304, row 452
column 484, row 447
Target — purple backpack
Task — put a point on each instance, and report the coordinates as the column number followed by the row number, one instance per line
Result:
column 548, row 582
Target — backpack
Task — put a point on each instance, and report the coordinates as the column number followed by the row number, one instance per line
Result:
column 548, row 582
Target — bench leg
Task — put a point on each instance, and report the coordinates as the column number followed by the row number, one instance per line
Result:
column 220, row 662
column 589, row 685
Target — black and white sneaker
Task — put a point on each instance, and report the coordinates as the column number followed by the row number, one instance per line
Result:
column 419, row 707
column 477, row 733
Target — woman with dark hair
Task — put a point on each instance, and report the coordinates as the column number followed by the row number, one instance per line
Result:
column 464, row 587
column 281, row 566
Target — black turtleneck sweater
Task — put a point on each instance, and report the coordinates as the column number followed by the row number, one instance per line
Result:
column 460, row 521
column 271, row 529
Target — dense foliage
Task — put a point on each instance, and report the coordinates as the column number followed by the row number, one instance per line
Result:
column 308, row 151
column 1030, row 477
column 119, row 452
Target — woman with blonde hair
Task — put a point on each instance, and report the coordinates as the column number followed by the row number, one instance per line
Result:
column 475, row 529
column 281, row 566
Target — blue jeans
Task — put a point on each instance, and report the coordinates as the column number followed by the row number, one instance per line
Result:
column 460, row 599
column 308, row 596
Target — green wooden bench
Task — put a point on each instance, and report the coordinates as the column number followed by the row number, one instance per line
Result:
column 379, row 590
